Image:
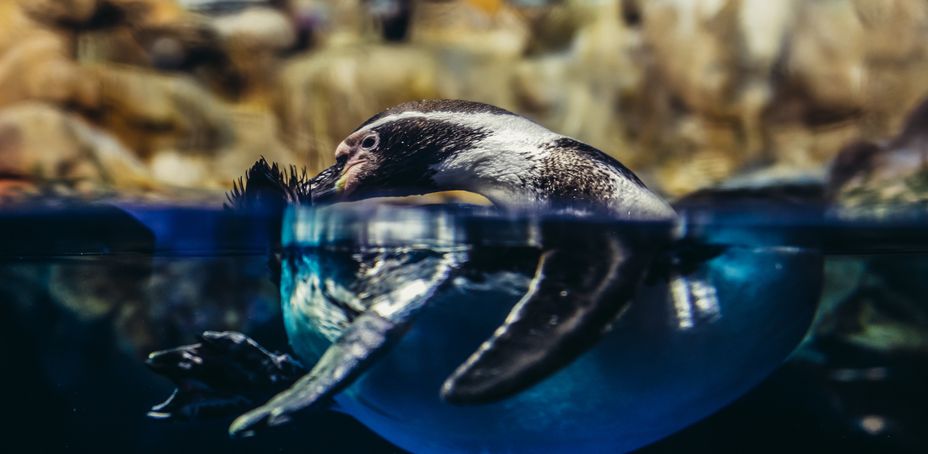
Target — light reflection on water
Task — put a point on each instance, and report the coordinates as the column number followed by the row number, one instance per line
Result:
column 693, row 299
column 209, row 288
column 707, row 324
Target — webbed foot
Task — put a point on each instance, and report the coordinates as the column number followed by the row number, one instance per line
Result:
column 227, row 372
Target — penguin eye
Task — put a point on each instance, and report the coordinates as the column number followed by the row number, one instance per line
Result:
column 370, row 142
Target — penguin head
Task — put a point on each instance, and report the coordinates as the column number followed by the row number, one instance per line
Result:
column 391, row 158
column 422, row 147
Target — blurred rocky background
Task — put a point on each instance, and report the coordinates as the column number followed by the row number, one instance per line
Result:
column 172, row 99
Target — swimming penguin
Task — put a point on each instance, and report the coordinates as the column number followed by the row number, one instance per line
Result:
column 442, row 145
column 520, row 166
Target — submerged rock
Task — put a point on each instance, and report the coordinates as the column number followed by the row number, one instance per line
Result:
column 881, row 179
column 877, row 303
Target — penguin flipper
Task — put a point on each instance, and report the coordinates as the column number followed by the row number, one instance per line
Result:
column 368, row 336
column 579, row 288
column 350, row 355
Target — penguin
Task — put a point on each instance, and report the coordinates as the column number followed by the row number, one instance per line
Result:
column 443, row 145
column 520, row 166
column 585, row 276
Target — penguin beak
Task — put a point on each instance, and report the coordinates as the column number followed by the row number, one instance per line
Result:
column 339, row 181
column 325, row 186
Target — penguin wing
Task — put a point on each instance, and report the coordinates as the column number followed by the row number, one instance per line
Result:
column 368, row 336
column 341, row 363
column 585, row 279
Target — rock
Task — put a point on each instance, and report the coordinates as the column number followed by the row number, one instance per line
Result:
column 255, row 134
column 219, row 6
column 253, row 41
column 261, row 28
column 39, row 70
column 43, row 145
column 552, row 25
column 580, row 91
column 177, row 124
column 883, row 179
column 325, row 95
column 68, row 12
column 792, row 81
column 149, row 111
column 36, row 64
column 148, row 303
column 94, row 289
column 190, row 296
column 135, row 31
column 149, row 13
column 687, row 93
column 325, row 23
column 190, row 137
column 585, row 89
column 877, row 302
column 481, row 27
column 146, row 33
column 14, row 189
column 711, row 56
column 862, row 59
column 235, row 54
column 716, row 57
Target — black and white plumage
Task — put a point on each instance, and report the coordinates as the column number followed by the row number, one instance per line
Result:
column 584, row 280
column 583, row 283
column 438, row 145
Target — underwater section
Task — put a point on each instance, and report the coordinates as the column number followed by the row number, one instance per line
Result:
column 153, row 293
column 691, row 356
column 689, row 343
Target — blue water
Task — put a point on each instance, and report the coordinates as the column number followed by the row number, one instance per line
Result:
column 88, row 292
